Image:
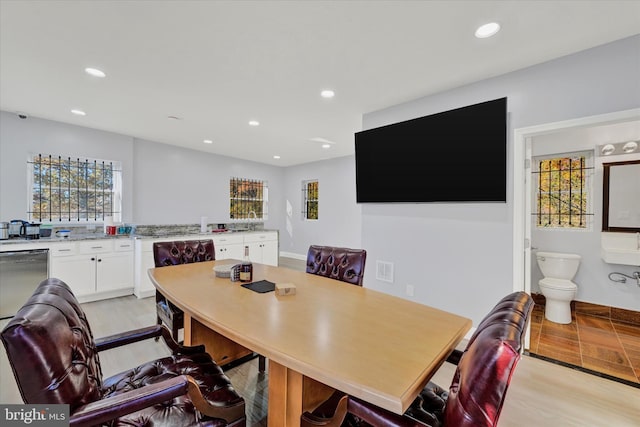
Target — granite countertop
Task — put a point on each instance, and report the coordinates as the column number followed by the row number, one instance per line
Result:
column 71, row 238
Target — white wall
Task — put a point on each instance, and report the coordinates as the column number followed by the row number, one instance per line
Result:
column 163, row 184
column 459, row 256
column 594, row 285
column 339, row 214
column 20, row 138
column 174, row 185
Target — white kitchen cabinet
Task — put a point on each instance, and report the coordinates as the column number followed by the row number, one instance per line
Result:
column 263, row 247
column 94, row 269
column 229, row 246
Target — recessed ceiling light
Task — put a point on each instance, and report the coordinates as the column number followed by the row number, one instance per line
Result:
column 630, row 147
column 608, row 149
column 79, row 112
column 254, row 123
column 95, row 72
column 327, row 93
column 326, row 145
column 276, row 157
column 208, row 141
column 487, row 30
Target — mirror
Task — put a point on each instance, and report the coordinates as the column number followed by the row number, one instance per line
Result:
column 621, row 197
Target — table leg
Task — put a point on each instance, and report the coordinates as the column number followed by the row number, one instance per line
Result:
column 187, row 329
column 285, row 396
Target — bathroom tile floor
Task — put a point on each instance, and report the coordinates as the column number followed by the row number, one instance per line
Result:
column 599, row 344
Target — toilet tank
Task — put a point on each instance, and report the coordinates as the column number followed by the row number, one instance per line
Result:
column 558, row 265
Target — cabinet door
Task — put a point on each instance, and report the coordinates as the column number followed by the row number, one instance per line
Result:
column 114, row 271
column 255, row 251
column 270, row 252
column 235, row 251
column 79, row 272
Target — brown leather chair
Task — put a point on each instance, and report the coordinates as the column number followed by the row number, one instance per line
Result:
column 477, row 391
column 175, row 253
column 54, row 359
column 342, row 264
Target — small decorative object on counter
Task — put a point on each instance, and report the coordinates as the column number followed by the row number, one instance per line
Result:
column 283, row 289
column 246, row 268
column 63, row 234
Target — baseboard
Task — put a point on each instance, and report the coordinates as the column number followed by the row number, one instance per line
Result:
column 294, row 256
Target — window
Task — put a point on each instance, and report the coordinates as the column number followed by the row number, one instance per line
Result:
column 310, row 200
column 248, row 199
column 74, row 189
column 563, row 190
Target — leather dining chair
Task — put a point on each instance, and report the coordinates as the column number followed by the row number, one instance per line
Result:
column 477, row 392
column 344, row 264
column 54, row 359
column 175, row 253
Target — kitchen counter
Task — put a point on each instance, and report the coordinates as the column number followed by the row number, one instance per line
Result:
column 82, row 237
column 72, row 238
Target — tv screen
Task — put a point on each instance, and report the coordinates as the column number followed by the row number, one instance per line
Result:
column 453, row 156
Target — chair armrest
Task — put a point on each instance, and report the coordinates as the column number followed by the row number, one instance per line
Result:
column 377, row 416
column 311, row 420
column 141, row 334
column 101, row 411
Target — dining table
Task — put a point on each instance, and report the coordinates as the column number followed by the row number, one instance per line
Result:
column 328, row 335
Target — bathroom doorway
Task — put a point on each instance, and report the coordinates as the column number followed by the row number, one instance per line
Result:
column 599, row 339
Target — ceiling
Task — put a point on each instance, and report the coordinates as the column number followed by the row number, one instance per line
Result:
column 216, row 65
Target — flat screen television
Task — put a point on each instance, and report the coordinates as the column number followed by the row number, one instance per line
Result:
column 454, row 156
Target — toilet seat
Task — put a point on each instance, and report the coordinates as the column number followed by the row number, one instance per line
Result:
column 558, row 284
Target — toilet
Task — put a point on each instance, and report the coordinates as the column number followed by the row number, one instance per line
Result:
column 558, row 270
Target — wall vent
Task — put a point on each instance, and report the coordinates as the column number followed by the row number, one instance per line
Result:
column 384, row 271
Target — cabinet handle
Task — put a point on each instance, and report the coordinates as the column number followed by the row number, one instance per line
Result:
column 64, row 250
column 99, row 259
column 93, row 259
column 96, row 247
column 125, row 246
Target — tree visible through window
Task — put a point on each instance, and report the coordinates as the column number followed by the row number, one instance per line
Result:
column 562, row 192
column 74, row 189
column 247, row 199
column 310, row 200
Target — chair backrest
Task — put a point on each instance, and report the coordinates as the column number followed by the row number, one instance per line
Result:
column 51, row 349
column 484, row 372
column 342, row 264
column 183, row 252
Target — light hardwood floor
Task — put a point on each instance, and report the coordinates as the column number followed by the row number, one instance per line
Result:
column 541, row 394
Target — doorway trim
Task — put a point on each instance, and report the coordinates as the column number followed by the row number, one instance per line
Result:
column 522, row 247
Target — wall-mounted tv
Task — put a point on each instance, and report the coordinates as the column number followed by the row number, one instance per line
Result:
column 454, row 156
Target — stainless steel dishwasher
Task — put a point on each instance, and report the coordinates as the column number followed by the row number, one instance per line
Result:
column 20, row 273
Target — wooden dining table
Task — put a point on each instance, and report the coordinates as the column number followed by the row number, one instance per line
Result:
column 328, row 335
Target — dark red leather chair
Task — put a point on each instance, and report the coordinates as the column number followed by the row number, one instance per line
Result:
column 479, row 385
column 175, row 253
column 342, row 264
column 54, row 359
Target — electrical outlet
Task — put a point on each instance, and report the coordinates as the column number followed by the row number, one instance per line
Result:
column 409, row 290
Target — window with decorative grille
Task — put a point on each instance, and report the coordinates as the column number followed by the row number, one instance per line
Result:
column 248, row 199
column 74, row 189
column 310, row 200
column 563, row 189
